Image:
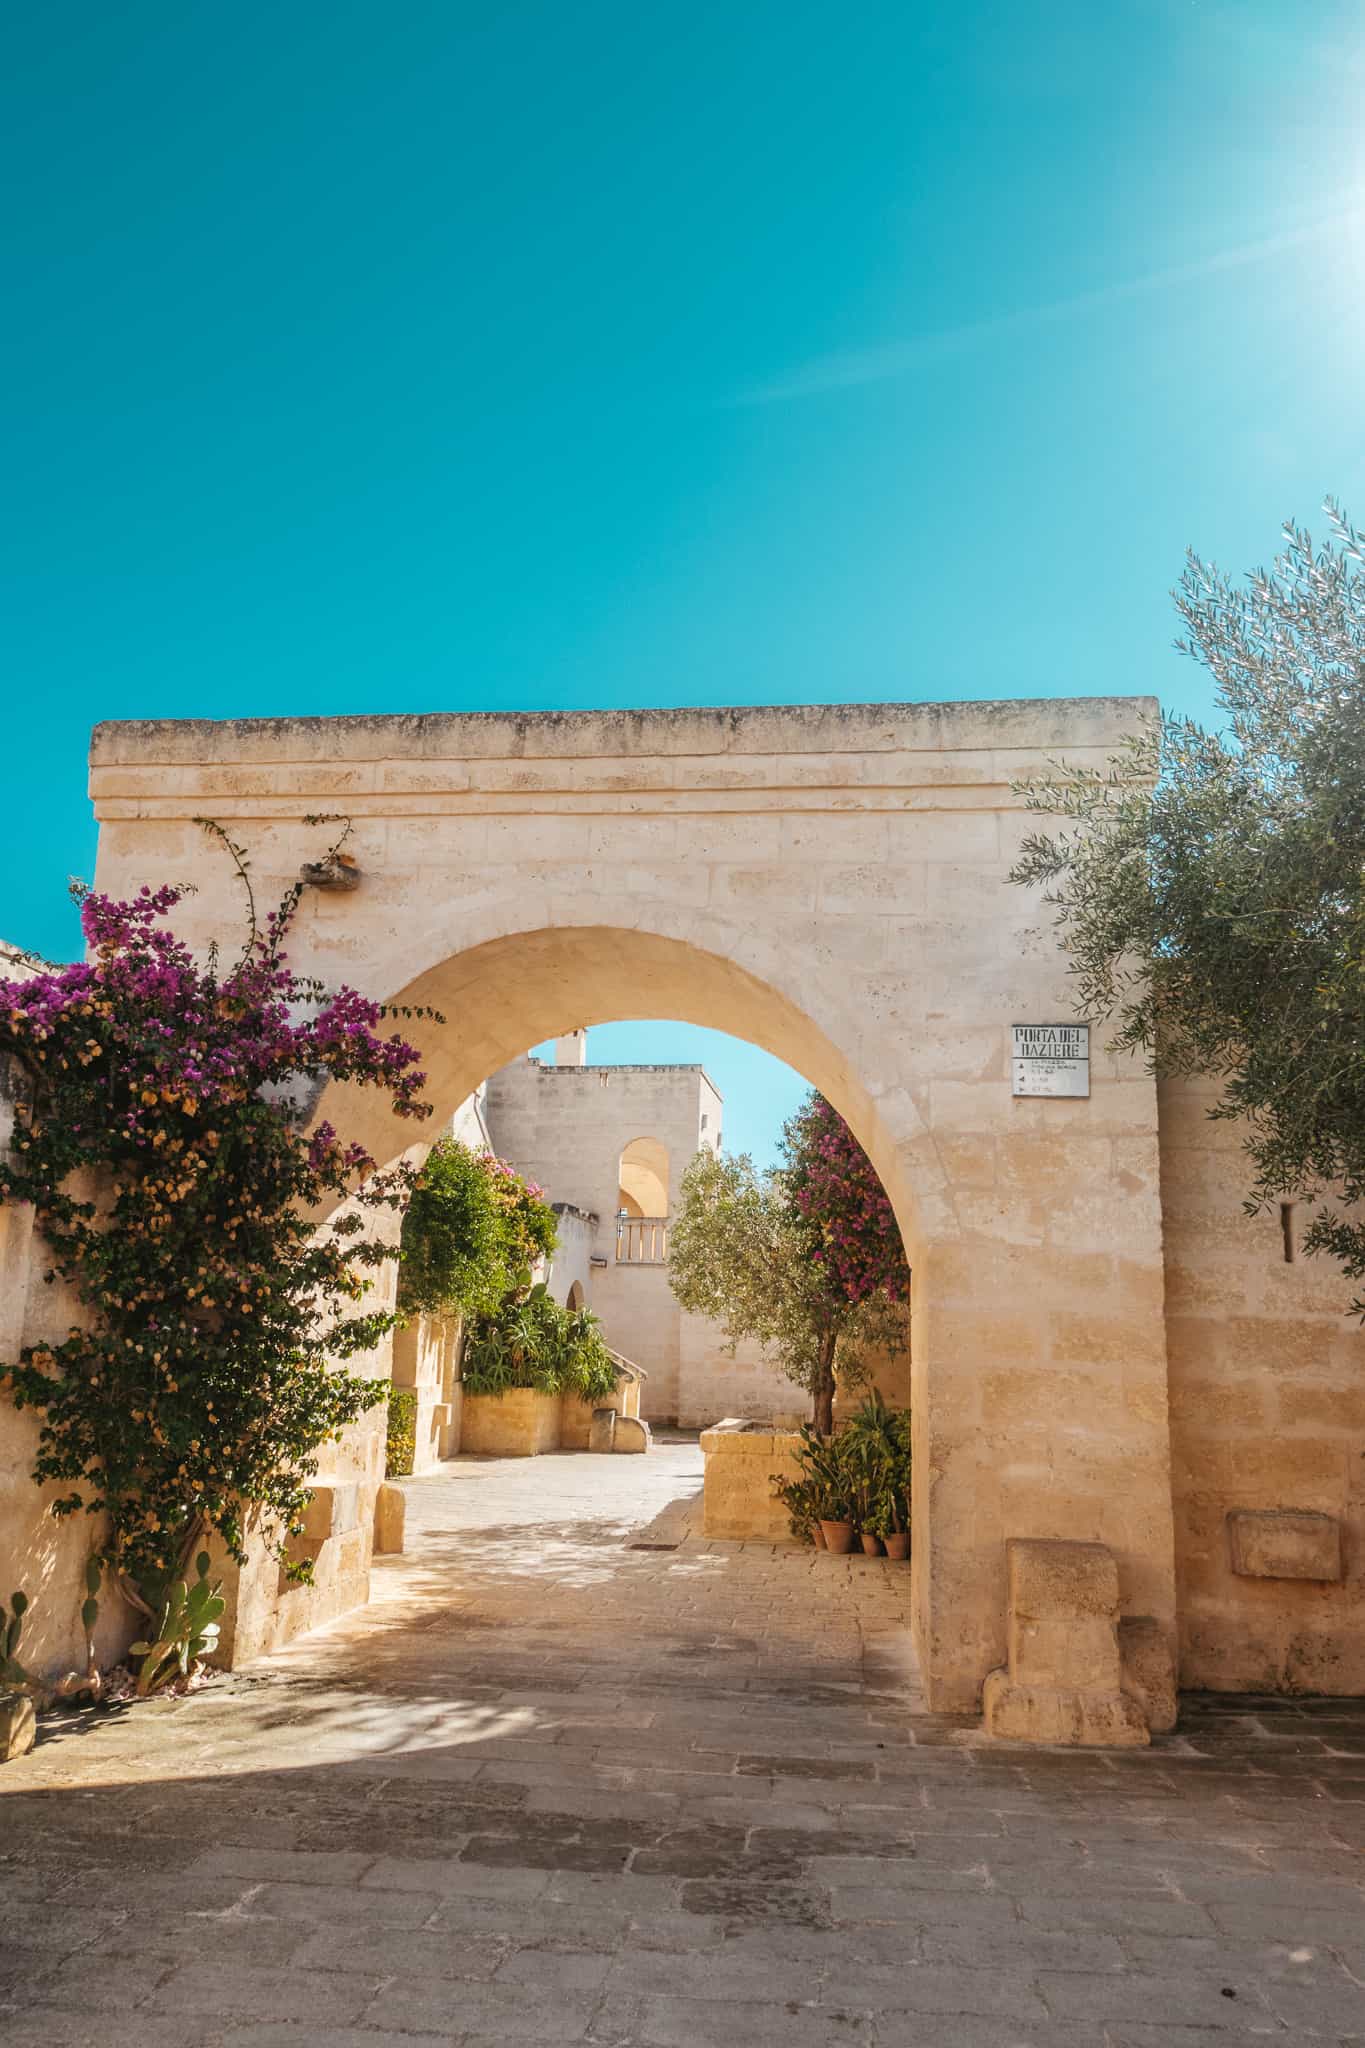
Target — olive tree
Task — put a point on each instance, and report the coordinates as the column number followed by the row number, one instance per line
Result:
column 805, row 1258
column 1210, row 886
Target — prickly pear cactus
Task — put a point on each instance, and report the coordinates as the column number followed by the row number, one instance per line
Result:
column 186, row 1631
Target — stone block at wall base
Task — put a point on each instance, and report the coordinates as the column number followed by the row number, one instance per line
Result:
column 575, row 1422
column 602, row 1429
column 1080, row 1720
column 265, row 1610
column 390, row 1517
column 18, row 1726
column 333, row 1510
column 1147, row 1670
column 1064, row 1680
column 631, row 1434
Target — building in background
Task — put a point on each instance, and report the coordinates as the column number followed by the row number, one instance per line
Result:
column 609, row 1145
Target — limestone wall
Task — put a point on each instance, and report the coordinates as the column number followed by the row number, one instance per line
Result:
column 719, row 1383
column 571, row 1265
column 888, row 1373
column 566, row 1127
column 1267, row 1386
column 469, row 1124
column 738, row 1502
column 831, row 883
column 426, row 1355
column 39, row 1555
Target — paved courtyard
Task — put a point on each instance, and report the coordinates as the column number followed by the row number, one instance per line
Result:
column 577, row 1775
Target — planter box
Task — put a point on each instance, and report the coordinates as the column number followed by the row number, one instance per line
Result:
column 517, row 1424
column 737, row 1500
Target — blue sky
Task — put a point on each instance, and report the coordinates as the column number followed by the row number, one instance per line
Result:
column 441, row 357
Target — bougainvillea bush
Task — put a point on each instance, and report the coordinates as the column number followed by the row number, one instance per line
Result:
column 835, row 1189
column 165, row 1146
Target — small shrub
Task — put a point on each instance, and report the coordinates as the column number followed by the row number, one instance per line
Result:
column 401, row 1442
column 533, row 1342
column 875, row 1446
column 473, row 1231
column 589, row 1368
column 860, row 1474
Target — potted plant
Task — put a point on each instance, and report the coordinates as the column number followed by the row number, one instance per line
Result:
column 798, row 1497
column 821, row 1495
column 864, row 1461
column 829, row 1469
column 889, row 1523
column 877, row 1440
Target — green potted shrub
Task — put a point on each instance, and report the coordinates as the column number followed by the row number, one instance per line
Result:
column 803, row 1500
column 825, row 1495
column 877, row 1440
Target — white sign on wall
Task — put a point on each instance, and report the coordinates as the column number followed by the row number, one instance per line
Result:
column 1051, row 1059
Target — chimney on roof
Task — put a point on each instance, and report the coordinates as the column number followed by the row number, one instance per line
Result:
column 571, row 1050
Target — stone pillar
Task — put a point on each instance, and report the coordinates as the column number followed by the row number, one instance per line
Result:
column 1038, row 1367
column 1063, row 1682
column 390, row 1515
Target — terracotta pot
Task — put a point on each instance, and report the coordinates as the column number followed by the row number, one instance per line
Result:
column 898, row 1545
column 872, row 1545
column 838, row 1537
column 817, row 1535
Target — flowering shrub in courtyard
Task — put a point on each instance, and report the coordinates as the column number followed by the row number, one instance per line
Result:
column 473, row 1231
column 164, row 1144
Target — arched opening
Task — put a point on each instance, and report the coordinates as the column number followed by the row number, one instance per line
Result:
column 513, row 991
column 517, row 989
column 643, row 1178
column 575, row 1296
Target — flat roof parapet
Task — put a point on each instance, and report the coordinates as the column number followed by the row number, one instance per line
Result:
column 498, row 735
column 804, row 757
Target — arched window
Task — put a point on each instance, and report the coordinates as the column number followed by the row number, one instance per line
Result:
column 575, row 1299
column 643, row 1178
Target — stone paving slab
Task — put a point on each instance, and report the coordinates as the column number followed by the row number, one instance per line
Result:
column 549, row 1788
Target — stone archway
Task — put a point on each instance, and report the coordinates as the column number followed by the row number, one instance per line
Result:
column 831, row 883
column 644, row 1177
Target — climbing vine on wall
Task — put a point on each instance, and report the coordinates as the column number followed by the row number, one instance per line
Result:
column 164, row 1142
